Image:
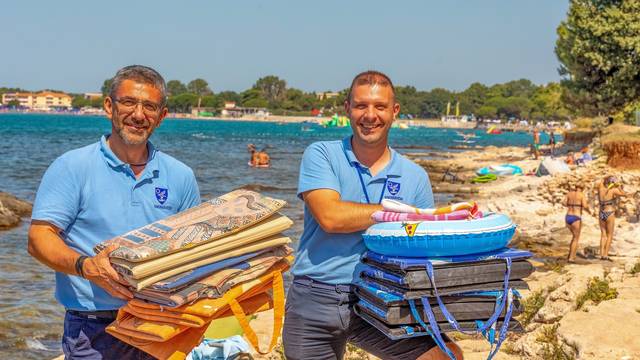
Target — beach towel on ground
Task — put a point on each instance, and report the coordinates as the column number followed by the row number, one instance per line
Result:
column 206, row 222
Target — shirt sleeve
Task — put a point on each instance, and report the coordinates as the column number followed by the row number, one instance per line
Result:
column 316, row 171
column 424, row 194
column 191, row 196
column 58, row 197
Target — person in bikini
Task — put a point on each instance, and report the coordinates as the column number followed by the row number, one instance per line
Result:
column 608, row 191
column 575, row 201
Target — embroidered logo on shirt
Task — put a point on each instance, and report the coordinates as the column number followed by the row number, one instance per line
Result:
column 393, row 187
column 410, row 229
column 162, row 195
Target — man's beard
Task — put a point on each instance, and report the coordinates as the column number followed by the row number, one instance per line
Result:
column 131, row 139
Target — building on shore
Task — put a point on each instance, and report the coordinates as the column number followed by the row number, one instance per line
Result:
column 92, row 96
column 327, row 95
column 231, row 110
column 42, row 101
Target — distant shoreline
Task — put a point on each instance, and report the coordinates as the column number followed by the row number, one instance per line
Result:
column 429, row 123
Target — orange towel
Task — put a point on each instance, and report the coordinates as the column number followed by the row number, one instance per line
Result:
column 247, row 298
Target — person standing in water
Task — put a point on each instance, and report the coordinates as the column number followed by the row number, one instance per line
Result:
column 575, row 201
column 552, row 142
column 536, row 144
column 609, row 190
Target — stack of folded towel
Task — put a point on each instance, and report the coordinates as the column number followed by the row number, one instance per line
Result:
column 223, row 257
column 444, row 284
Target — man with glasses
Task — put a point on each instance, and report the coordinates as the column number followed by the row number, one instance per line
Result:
column 94, row 193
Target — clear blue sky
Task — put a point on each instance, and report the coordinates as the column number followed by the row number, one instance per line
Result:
column 314, row 45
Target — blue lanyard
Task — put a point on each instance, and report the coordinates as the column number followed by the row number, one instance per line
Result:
column 364, row 187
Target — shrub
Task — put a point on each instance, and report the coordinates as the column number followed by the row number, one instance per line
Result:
column 597, row 291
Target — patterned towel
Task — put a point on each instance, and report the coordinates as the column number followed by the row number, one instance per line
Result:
column 218, row 283
column 208, row 221
column 388, row 216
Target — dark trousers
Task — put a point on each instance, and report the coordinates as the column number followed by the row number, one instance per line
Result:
column 320, row 320
column 85, row 338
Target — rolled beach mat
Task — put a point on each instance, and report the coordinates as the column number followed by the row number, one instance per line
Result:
column 440, row 238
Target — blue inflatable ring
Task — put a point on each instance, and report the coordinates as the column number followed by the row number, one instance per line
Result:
column 440, row 238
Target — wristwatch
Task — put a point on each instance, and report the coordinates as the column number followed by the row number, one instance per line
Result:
column 79, row 262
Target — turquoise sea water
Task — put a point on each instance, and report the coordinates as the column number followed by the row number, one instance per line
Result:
column 30, row 318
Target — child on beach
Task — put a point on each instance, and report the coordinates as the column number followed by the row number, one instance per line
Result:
column 575, row 201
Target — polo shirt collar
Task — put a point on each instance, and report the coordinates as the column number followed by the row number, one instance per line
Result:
column 392, row 169
column 113, row 161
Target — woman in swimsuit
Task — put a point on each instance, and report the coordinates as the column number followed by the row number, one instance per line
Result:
column 575, row 201
column 609, row 190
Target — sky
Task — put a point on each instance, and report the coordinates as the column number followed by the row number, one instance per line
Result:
column 314, row 45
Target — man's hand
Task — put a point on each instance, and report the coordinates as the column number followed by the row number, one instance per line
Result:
column 99, row 271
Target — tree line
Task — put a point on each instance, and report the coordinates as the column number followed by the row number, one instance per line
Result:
column 517, row 99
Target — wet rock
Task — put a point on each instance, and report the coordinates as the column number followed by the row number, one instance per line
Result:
column 11, row 209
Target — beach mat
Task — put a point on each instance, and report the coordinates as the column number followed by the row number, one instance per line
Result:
column 137, row 270
column 463, row 308
column 449, row 275
column 409, row 331
column 273, row 241
column 218, row 283
column 211, row 220
column 417, row 294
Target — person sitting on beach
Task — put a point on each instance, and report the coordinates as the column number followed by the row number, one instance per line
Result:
column 585, row 156
column 100, row 191
column 258, row 158
column 608, row 191
column 342, row 183
column 575, row 201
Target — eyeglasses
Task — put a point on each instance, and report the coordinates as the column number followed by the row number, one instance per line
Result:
column 130, row 104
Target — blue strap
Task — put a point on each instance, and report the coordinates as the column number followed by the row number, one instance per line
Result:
column 452, row 321
column 433, row 330
column 364, row 187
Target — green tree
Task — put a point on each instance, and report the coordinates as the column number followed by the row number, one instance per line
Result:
column 272, row 88
column 182, row 103
column 13, row 103
column 598, row 47
column 199, row 87
column 79, row 101
column 97, row 102
column 176, row 87
column 106, row 86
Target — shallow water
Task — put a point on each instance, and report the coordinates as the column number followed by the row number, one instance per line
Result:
column 30, row 318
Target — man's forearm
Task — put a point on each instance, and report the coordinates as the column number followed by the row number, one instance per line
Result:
column 46, row 245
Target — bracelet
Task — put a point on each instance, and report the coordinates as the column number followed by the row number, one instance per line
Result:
column 79, row 262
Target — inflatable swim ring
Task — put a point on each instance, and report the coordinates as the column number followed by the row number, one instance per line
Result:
column 440, row 238
column 484, row 179
column 257, row 166
column 504, row 169
column 397, row 206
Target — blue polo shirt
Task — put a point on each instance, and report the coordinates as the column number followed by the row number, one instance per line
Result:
column 334, row 258
column 92, row 196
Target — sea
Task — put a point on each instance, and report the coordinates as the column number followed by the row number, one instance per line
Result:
column 31, row 319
